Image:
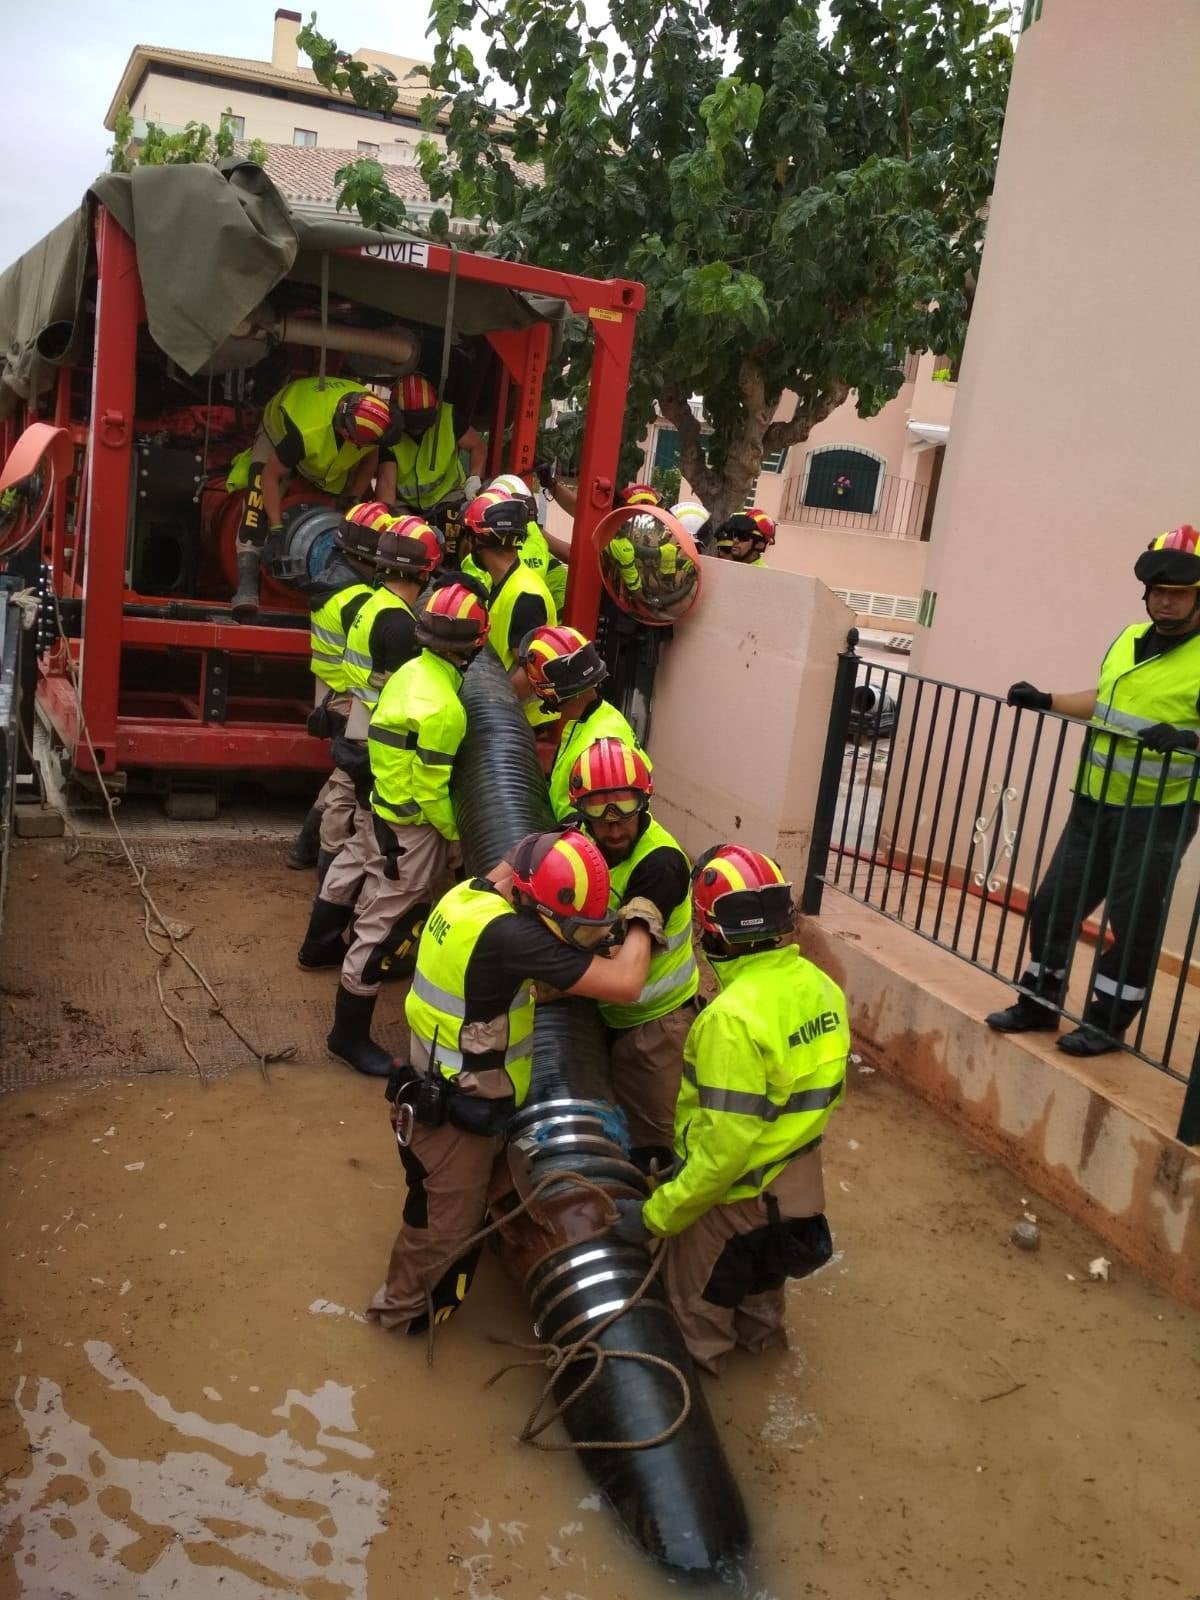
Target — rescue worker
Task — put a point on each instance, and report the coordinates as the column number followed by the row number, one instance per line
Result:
column 565, row 672
column 1134, row 808
column 382, row 637
column 518, row 600
column 421, row 468
column 610, row 790
column 347, row 582
column 764, row 1067
column 534, row 551
column 744, row 536
column 326, row 431
column 540, row 916
column 416, row 729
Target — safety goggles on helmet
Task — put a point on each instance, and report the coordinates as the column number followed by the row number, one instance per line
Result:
column 560, row 663
column 741, row 895
column 1172, row 561
column 612, row 807
column 563, row 878
column 362, row 418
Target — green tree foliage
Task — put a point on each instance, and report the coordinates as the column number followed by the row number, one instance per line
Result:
column 194, row 143
column 804, row 198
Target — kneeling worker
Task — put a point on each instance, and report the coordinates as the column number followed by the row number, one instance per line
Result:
column 610, row 791
column 565, row 672
column 538, row 917
column 765, row 1066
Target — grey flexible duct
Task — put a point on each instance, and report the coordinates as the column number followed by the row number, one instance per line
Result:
column 678, row 1500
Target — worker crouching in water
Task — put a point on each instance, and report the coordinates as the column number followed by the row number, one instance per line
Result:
column 649, row 874
column 328, row 431
column 540, row 916
column 565, row 671
column 765, row 1065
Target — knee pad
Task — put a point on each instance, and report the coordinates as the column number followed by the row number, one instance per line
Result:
column 449, row 1292
column 396, row 956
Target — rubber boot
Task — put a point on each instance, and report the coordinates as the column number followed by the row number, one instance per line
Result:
column 305, row 848
column 245, row 601
column 323, row 944
column 1026, row 1016
column 350, row 1038
column 325, row 859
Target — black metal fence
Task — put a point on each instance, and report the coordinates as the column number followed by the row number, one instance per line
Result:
column 945, row 810
column 843, row 495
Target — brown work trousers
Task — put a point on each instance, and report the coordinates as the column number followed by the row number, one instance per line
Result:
column 382, row 901
column 646, row 1069
column 348, row 870
column 447, row 1172
column 756, row 1323
column 336, row 801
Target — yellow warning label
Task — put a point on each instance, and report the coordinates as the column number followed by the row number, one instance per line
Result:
column 601, row 314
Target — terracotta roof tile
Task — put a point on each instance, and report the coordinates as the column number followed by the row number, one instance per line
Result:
column 306, row 172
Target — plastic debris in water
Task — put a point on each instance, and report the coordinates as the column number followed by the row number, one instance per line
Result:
column 1098, row 1269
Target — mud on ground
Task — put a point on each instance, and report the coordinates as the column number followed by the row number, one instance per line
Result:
column 197, row 1408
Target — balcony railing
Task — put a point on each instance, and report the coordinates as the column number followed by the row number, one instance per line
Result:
column 897, row 510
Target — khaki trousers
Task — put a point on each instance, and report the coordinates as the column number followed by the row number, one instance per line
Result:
column 336, row 801
column 348, row 870
column 757, row 1322
column 382, row 901
column 447, row 1173
column 646, row 1069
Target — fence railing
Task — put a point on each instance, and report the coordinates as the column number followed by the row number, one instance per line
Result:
column 894, row 507
column 952, row 814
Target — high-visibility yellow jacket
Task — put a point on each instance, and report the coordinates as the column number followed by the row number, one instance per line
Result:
column 363, row 682
column 673, row 976
column 535, row 554
column 521, row 580
column 416, row 729
column 1130, row 697
column 600, row 721
column 764, row 1066
column 436, row 1007
column 328, row 627
column 428, row 468
column 328, row 461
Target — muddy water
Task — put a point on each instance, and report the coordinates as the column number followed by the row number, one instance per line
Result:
column 194, row 1406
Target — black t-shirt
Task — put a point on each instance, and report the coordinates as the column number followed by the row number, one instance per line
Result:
column 663, row 877
column 393, row 638
column 290, row 448
column 512, row 951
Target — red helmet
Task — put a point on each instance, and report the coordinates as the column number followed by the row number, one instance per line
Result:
column 560, row 663
column 358, row 533
column 495, row 520
column 408, row 548
column 753, row 524
column 741, row 896
column 362, row 418
column 563, row 877
column 639, row 494
column 513, row 484
column 1172, row 561
column 610, row 773
column 370, row 514
column 452, row 621
column 415, row 393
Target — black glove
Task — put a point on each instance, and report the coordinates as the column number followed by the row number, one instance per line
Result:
column 629, row 1225
column 545, row 474
column 1028, row 698
column 1164, row 737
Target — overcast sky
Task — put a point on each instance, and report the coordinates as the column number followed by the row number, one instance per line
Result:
column 64, row 58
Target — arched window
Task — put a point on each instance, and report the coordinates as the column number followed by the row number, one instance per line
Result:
column 842, row 477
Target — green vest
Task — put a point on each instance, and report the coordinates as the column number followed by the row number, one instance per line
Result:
column 622, row 552
column 364, row 683
column 536, row 555
column 416, row 729
column 764, row 1067
column 1131, row 697
column 435, row 1005
column 327, row 630
column 673, row 976
column 328, row 461
column 521, row 580
column 428, row 468
column 604, row 722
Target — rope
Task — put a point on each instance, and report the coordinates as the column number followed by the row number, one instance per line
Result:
column 161, row 928
column 558, row 1357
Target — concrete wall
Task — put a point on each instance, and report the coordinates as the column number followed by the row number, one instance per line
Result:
column 846, row 560
column 741, row 705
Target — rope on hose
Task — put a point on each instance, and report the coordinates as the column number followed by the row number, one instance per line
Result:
column 558, row 1357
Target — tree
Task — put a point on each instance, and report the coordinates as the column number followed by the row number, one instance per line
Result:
column 194, row 143
column 803, row 199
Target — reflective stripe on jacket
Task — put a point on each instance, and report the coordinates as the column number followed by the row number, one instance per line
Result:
column 673, row 976
column 1130, row 697
column 363, row 682
column 416, row 729
column 327, row 632
column 328, row 461
column 428, row 468
column 435, row 1006
column 603, row 722
column 764, row 1067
